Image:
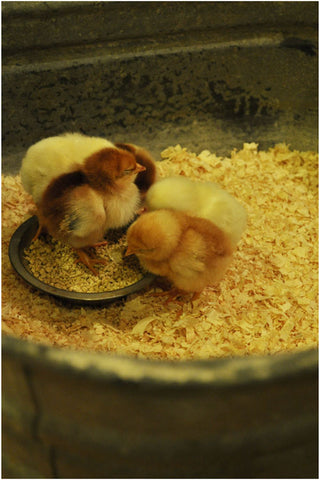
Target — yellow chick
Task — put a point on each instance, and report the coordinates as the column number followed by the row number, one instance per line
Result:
column 82, row 186
column 202, row 199
column 191, row 252
column 53, row 156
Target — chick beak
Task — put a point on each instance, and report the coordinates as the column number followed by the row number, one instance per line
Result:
column 139, row 168
column 129, row 252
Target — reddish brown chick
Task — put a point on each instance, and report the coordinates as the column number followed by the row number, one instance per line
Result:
column 146, row 178
column 191, row 252
column 80, row 206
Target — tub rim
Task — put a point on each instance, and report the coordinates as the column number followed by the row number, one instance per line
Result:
column 218, row 372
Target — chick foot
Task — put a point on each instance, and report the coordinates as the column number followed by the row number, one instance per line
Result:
column 194, row 297
column 89, row 260
column 100, row 244
column 174, row 293
column 38, row 233
column 173, row 296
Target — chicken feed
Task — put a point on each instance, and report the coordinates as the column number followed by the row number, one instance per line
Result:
column 266, row 303
column 55, row 263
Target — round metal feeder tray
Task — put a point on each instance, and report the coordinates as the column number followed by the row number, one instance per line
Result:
column 22, row 238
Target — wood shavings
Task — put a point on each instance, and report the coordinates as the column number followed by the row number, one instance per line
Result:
column 266, row 303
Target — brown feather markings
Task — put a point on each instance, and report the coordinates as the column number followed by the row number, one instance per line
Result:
column 146, row 178
column 105, row 166
column 53, row 206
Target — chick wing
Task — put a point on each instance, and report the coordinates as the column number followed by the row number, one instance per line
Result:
column 85, row 218
column 76, row 216
column 201, row 258
column 189, row 259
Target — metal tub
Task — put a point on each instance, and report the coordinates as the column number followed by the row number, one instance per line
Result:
column 207, row 75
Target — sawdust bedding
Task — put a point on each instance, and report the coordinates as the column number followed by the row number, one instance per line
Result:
column 266, row 303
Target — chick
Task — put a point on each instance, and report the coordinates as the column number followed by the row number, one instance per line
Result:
column 189, row 251
column 79, row 199
column 146, row 178
column 53, row 156
column 202, row 199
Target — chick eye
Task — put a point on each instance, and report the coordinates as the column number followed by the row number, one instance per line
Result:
column 128, row 171
column 146, row 250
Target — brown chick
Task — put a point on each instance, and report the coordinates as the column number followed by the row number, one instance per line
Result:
column 191, row 252
column 78, row 207
column 144, row 179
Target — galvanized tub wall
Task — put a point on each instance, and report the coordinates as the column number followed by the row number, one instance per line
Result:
column 251, row 76
column 71, row 415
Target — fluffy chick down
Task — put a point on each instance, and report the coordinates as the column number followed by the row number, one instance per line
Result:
column 83, row 185
column 147, row 177
column 202, row 199
column 191, row 252
column 79, row 207
column 54, row 156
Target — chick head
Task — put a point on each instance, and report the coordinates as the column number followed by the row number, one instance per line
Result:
column 154, row 235
column 110, row 167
